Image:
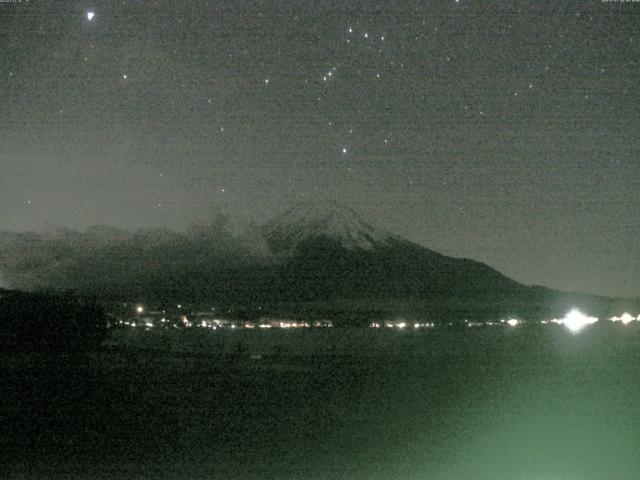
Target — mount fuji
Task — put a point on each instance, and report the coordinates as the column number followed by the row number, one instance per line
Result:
column 329, row 258
column 318, row 259
column 326, row 250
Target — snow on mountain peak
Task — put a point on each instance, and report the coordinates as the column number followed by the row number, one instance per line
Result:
column 328, row 219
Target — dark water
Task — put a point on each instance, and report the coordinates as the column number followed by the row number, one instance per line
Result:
column 522, row 403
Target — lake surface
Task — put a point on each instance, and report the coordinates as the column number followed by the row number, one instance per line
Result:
column 531, row 403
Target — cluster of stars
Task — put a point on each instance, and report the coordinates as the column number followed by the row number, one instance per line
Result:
column 369, row 56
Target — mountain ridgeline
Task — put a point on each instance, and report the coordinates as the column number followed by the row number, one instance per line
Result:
column 319, row 259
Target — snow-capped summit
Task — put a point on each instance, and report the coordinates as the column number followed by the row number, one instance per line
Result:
column 324, row 219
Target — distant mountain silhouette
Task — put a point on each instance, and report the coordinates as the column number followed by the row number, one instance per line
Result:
column 316, row 259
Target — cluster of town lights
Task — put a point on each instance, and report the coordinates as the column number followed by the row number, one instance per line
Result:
column 401, row 324
column 574, row 321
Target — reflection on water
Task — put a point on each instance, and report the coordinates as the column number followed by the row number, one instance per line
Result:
column 510, row 403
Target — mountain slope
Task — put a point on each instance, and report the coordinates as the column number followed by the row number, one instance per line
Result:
column 330, row 256
column 332, row 249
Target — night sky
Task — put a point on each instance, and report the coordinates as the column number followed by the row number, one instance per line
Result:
column 502, row 131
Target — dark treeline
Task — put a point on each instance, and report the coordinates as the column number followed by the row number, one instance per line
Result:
column 49, row 323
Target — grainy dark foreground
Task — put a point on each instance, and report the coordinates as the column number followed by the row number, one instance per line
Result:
column 485, row 403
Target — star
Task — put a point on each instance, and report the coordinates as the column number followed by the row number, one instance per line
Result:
column 344, row 150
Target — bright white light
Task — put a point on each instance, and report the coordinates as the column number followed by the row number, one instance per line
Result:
column 575, row 320
column 513, row 322
column 402, row 325
column 140, row 309
column 90, row 15
column 344, row 150
column 626, row 318
column 149, row 324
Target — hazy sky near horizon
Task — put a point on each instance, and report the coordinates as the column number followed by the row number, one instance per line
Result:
column 500, row 131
